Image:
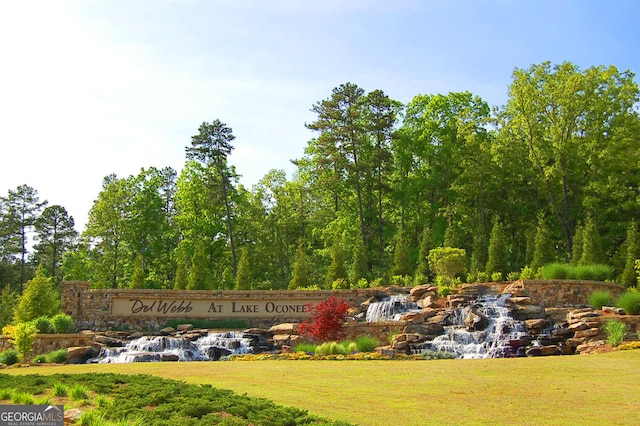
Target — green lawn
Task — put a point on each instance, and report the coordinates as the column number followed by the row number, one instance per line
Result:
column 571, row 390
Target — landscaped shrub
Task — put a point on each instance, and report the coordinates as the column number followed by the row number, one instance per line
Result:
column 78, row 392
column 513, row 276
column 39, row 359
column 600, row 298
column 21, row 337
column 327, row 320
column 496, row 276
column 56, row 357
column 60, row 389
column 527, row 273
column 630, row 302
column 43, row 324
column 62, row 324
column 591, row 272
column 331, row 348
column 555, row 271
column 366, row 343
column 616, row 330
column 305, row 347
column 9, row 357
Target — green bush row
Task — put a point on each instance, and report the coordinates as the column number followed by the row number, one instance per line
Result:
column 54, row 357
column 563, row 271
column 629, row 301
column 361, row 344
column 57, row 324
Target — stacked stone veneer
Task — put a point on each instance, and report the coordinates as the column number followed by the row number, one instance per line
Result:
column 44, row 343
column 92, row 308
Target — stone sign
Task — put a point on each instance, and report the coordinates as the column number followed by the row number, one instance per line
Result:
column 208, row 308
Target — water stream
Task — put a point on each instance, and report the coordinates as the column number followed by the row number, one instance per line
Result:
column 167, row 348
column 494, row 341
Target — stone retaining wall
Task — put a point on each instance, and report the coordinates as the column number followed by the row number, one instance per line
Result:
column 104, row 309
column 45, row 343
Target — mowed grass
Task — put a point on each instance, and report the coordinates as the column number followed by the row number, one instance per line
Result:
column 571, row 390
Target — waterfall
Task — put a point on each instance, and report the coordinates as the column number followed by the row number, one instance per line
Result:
column 492, row 342
column 166, row 348
column 390, row 308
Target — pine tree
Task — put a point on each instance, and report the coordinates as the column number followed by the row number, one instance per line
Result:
column 542, row 248
column 300, row 277
column 578, row 240
column 198, row 271
column 336, row 269
column 359, row 263
column 243, row 275
column 591, row 246
column 423, row 272
column 401, row 263
column 497, row 249
column 138, row 275
column 629, row 277
column 182, row 277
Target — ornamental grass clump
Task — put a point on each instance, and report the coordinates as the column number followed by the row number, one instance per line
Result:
column 600, row 298
column 615, row 330
column 367, row 343
column 630, row 302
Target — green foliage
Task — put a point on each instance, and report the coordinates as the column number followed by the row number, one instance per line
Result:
column 448, row 262
column 60, row 389
column 340, row 284
column 300, row 277
column 151, row 400
column 39, row 359
column 8, row 303
column 42, row 324
column 591, row 244
column 6, row 393
column 562, row 271
column 362, row 283
column 401, row 280
column 358, row 270
column 23, row 398
column 56, row 357
column 497, row 261
column 578, row 243
column 21, row 337
column 38, row 299
column 63, row 324
column 527, row 273
column 401, row 262
column 9, row 357
column 543, row 246
column 78, row 392
column 305, row 347
column 629, row 277
column 336, row 269
column 615, row 330
column 630, row 302
column 366, row 343
column 513, row 276
column 600, row 298
column 496, row 276
column 422, row 269
column 243, row 276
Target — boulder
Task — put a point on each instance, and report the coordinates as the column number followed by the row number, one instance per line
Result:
column 428, row 302
column 612, row 310
column 282, row 339
column 592, row 347
column 285, row 328
column 590, row 332
column 543, row 350
column 526, row 312
column 168, row 330
column 424, row 329
column 80, row 354
column 574, row 342
column 430, row 312
column 577, row 326
column 475, row 321
column 72, row 416
column 416, row 293
column 185, row 327
column 520, row 300
column 413, row 317
column 111, row 342
column 536, row 325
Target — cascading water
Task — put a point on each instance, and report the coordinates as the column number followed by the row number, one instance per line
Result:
column 166, row 348
column 390, row 308
column 493, row 341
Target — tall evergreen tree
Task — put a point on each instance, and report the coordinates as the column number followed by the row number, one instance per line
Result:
column 591, row 245
column 423, row 272
column 359, row 263
column 629, row 277
column 401, row 260
column 55, row 235
column 543, row 248
column 243, row 275
column 497, row 249
column 336, row 269
column 22, row 207
column 212, row 147
column 300, row 277
column 578, row 243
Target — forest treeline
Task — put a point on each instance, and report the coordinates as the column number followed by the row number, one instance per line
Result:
column 553, row 175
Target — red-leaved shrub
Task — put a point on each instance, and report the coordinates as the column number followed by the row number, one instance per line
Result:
column 327, row 320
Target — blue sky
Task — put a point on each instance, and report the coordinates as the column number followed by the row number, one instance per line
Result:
column 89, row 88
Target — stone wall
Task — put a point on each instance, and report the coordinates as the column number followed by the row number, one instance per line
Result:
column 562, row 293
column 45, row 343
column 104, row 309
